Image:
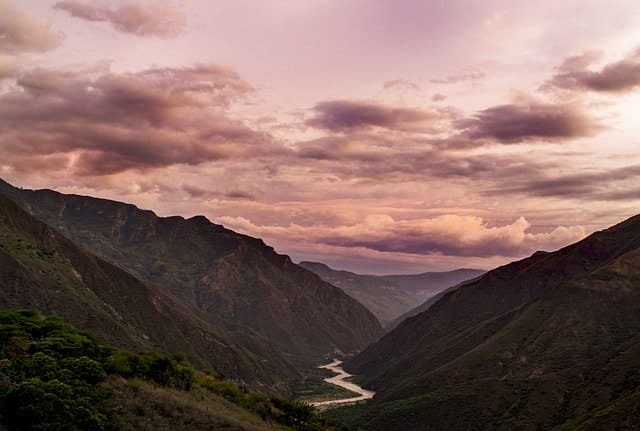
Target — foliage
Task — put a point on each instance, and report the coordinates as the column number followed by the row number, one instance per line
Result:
column 51, row 375
column 295, row 414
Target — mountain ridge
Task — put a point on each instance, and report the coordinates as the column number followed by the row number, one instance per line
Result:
column 553, row 338
column 427, row 284
column 383, row 298
column 229, row 278
column 41, row 268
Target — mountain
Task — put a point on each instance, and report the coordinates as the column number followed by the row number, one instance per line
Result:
column 549, row 342
column 425, row 305
column 40, row 268
column 383, row 298
column 427, row 284
column 56, row 377
column 229, row 279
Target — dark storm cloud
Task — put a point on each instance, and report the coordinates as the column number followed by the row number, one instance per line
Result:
column 345, row 115
column 617, row 77
column 514, row 123
column 107, row 122
column 142, row 18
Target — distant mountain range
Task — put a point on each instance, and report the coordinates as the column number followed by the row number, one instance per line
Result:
column 383, row 298
column 428, row 284
column 549, row 342
column 425, row 305
column 392, row 298
column 180, row 285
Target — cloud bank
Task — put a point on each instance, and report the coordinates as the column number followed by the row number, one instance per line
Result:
column 104, row 122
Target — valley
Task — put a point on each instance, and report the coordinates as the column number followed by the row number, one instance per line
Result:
column 241, row 215
column 530, row 332
column 341, row 380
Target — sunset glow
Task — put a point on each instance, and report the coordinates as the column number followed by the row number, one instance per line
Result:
column 375, row 136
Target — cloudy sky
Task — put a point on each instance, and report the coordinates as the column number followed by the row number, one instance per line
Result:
column 382, row 136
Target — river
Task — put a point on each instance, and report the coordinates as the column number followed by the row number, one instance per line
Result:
column 340, row 379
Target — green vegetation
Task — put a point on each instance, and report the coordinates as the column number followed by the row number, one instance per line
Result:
column 55, row 377
column 312, row 387
column 50, row 375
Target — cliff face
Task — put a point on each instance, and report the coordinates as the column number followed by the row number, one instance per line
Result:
column 40, row 268
column 551, row 341
column 229, row 279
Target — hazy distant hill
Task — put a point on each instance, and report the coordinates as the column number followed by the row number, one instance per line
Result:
column 383, row 298
column 425, row 305
column 230, row 280
column 548, row 342
column 427, row 284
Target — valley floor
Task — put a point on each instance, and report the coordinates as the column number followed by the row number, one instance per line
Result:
column 340, row 380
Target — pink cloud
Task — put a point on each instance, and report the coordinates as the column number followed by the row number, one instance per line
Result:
column 617, row 77
column 8, row 67
column 514, row 123
column 110, row 122
column 400, row 83
column 142, row 17
column 22, row 31
column 447, row 235
column 344, row 115
column 460, row 77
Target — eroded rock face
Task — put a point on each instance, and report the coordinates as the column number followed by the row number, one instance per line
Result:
column 232, row 280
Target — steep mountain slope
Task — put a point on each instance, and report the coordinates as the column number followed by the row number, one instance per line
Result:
column 427, row 284
column 425, row 305
column 41, row 268
column 225, row 276
column 548, row 342
column 383, row 298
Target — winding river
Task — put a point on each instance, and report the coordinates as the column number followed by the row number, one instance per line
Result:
column 340, row 379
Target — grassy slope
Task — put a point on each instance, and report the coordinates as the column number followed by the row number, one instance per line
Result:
column 148, row 407
column 53, row 376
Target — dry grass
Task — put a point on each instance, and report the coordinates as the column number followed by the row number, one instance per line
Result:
column 144, row 406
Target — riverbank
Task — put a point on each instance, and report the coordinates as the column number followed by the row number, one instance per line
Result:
column 340, row 380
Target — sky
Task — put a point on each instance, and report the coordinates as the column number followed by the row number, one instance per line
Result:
column 379, row 136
